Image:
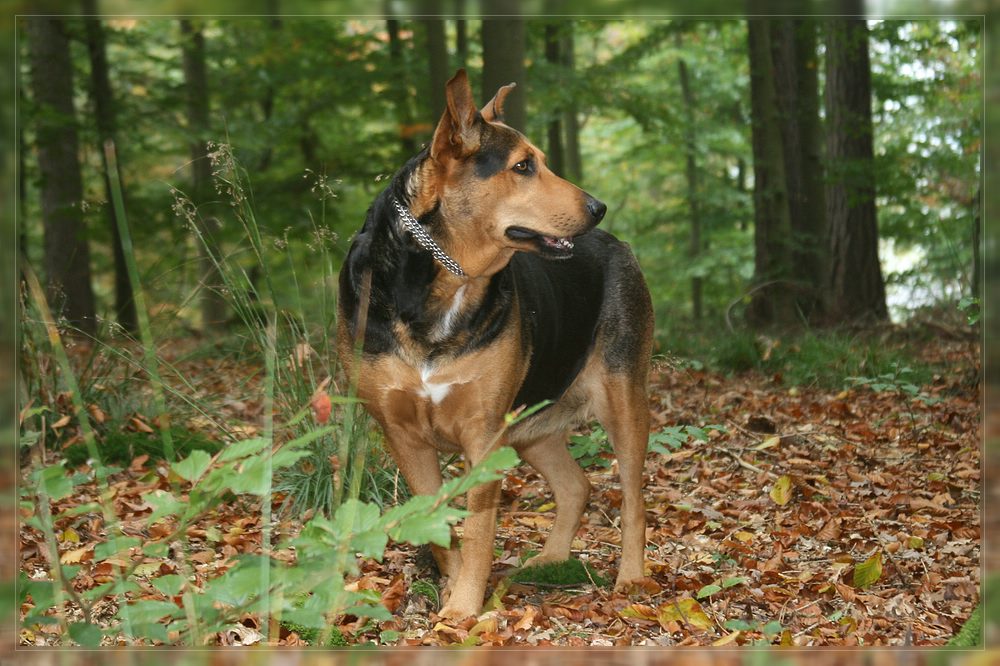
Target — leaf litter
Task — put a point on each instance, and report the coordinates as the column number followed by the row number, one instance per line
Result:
column 818, row 517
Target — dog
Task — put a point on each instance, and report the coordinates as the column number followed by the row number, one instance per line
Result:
column 480, row 285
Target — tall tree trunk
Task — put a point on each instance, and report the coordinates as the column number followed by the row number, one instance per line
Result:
column 856, row 286
column 793, row 51
column 571, row 117
column 772, row 302
column 104, row 115
column 67, row 253
column 401, row 93
column 553, row 56
column 977, row 237
column 437, row 62
column 213, row 305
column 503, row 60
column 267, row 101
column 462, row 40
column 691, row 172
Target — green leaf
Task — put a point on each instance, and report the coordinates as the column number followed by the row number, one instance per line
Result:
column 192, row 467
column 164, row 504
column 243, row 449
column 420, row 529
column 286, row 457
column 772, row 628
column 732, row 582
column 312, row 435
column 738, row 625
column 370, row 543
column 170, row 585
column 354, row 517
column 85, row 634
column 869, row 571
column 53, row 481
column 114, row 546
column 42, row 593
column 708, row 591
column 150, row 611
column 254, row 478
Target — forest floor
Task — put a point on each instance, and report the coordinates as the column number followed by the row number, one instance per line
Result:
column 817, row 517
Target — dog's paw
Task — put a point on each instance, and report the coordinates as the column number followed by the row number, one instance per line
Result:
column 457, row 613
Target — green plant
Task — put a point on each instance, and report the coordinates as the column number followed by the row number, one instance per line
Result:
column 672, row 438
column 591, row 449
column 899, row 380
column 970, row 307
column 570, row 572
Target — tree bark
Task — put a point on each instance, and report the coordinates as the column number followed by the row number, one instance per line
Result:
column 462, row 41
column 772, row 302
column 503, row 61
column 793, row 50
column 856, row 290
column 571, row 115
column 553, row 56
column 691, row 173
column 66, row 251
column 977, row 237
column 104, row 116
column 437, row 61
column 213, row 305
column 400, row 91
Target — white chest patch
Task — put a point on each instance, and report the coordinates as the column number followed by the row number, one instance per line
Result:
column 436, row 391
column 449, row 317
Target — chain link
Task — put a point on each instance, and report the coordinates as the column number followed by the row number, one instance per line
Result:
column 424, row 239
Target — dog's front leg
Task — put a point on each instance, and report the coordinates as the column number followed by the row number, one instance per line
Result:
column 478, row 536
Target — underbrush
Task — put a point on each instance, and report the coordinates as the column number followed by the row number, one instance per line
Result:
column 829, row 359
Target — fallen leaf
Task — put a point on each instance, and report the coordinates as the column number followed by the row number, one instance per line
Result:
column 781, row 491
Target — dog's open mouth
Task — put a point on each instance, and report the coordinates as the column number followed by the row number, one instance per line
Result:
column 550, row 245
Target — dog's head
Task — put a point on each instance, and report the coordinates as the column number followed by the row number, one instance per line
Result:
column 493, row 185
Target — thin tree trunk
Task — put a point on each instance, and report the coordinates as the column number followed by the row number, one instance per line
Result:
column 104, row 115
column 503, row 60
column 691, row 172
column 267, row 101
column 213, row 305
column 771, row 303
column 553, row 56
column 856, row 286
column 571, row 117
column 977, row 236
column 437, row 63
column 401, row 91
column 67, row 253
column 462, row 40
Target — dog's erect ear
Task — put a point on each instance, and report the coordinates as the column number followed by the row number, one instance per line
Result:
column 457, row 131
column 493, row 109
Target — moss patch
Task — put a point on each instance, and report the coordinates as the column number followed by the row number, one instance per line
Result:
column 568, row 572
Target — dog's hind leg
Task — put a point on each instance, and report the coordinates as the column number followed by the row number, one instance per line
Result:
column 623, row 411
column 552, row 459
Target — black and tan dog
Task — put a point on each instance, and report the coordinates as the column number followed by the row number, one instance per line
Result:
column 490, row 289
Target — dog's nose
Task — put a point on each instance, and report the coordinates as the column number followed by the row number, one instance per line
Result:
column 596, row 208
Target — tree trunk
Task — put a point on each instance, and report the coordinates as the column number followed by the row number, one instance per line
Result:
column 553, row 56
column 503, row 61
column 793, row 50
column 856, row 288
column 66, row 251
column 104, row 115
column 462, row 41
column 267, row 101
column 571, row 117
column 691, row 172
column 977, row 237
column 437, row 61
column 401, row 93
column 772, row 302
column 213, row 305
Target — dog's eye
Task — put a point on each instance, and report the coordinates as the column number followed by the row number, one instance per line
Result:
column 524, row 166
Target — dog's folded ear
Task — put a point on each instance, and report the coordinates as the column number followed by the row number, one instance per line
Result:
column 493, row 109
column 457, row 131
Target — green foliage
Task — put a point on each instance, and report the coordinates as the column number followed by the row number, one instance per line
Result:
column 120, row 447
column 671, row 438
column 899, row 380
column 592, row 449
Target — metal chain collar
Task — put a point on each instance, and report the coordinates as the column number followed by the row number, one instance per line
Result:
column 424, row 239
